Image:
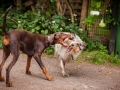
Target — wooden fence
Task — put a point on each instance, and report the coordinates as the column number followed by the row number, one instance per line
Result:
column 75, row 4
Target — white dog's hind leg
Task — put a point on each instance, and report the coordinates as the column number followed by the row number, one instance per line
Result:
column 62, row 65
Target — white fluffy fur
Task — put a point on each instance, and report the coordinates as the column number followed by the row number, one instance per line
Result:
column 64, row 57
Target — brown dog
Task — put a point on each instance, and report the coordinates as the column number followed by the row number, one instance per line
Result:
column 31, row 44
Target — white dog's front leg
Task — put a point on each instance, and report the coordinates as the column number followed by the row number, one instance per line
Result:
column 62, row 65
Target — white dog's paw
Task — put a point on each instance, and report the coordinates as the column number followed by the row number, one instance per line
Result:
column 65, row 75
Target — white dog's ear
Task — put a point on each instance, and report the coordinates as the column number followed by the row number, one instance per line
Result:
column 72, row 34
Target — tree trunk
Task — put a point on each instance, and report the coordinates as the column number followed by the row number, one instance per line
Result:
column 61, row 9
column 84, row 13
column 102, row 12
column 113, row 31
column 33, row 8
column 19, row 4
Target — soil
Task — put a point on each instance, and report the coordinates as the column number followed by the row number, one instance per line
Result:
column 83, row 76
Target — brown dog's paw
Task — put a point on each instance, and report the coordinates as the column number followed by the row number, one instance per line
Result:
column 50, row 78
column 9, row 84
column 28, row 72
column 2, row 78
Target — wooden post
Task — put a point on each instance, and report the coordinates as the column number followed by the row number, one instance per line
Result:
column 84, row 13
column 112, row 41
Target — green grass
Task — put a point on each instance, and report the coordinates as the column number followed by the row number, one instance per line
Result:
column 99, row 58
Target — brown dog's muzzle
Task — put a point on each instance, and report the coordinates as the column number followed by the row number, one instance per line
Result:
column 61, row 40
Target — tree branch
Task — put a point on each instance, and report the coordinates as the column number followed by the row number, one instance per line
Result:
column 71, row 10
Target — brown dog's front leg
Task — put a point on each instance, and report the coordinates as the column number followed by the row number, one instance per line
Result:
column 38, row 59
column 28, row 65
column 46, row 74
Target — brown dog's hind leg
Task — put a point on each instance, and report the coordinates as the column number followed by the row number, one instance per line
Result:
column 14, row 49
column 6, row 53
column 38, row 59
column 15, row 57
column 28, row 65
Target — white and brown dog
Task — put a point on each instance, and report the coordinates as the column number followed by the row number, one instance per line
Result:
column 72, row 49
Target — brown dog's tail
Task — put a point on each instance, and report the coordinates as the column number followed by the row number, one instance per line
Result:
column 4, row 21
column 6, row 38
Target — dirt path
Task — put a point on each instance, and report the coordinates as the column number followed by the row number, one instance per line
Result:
column 83, row 76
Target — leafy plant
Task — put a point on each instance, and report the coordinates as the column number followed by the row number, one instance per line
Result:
column 49, row 50
column 91, row 19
